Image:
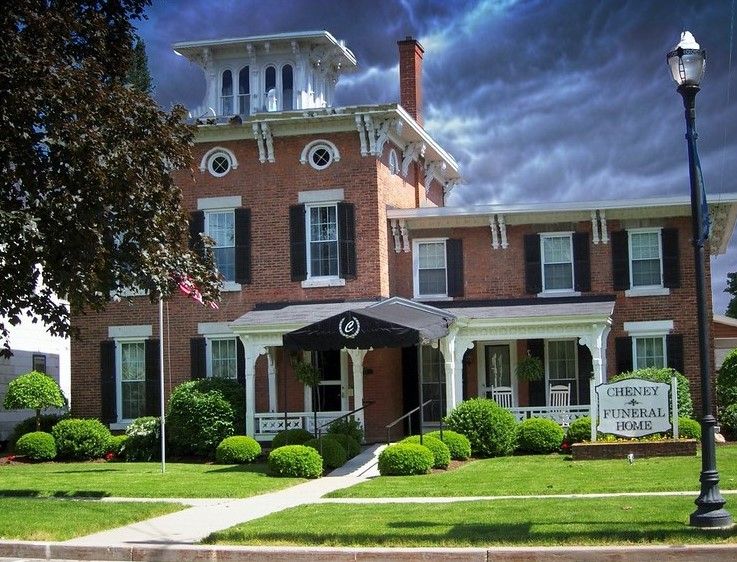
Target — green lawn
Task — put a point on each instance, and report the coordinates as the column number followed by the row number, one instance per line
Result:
column 58, row 520
column 480, row 523
column 553, row 474
column 143, row 480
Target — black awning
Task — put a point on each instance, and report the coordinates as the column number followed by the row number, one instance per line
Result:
column 392, row 323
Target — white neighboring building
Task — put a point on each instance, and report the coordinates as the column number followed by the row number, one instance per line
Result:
column 33, row 348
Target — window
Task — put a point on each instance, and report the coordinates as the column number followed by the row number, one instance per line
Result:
column 287, row 85
column 562, row 365
column 649, row 351
column 557, row 262
column 219, row 164
column 39, row 362
column 226, row 94
column 393, row 162
column 244, row 92
column 433, row 383
column 222, row 361
column 132, row 380
column 270, row 89
column 220, row 226
column 322, row 242
column 430, row 268
column 645, row 258
column 320, row 154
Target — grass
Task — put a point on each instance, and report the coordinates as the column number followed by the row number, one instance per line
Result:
column 652, row 520
column 58, row 520
column 143, row 480
column 551, row 474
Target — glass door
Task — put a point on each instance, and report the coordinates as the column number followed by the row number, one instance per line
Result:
column 497, row 368
column 328, row 396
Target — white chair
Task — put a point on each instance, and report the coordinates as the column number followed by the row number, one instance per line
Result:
column 559, row 399
column 502, row 395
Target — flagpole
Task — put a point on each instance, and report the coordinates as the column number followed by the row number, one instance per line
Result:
column 161, row 383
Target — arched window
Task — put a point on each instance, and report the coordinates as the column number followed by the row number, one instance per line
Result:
column 226, row 94
column 244, row 92
column 287, row 86
column 270, row 89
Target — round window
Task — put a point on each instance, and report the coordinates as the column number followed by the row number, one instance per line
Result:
column 219, row 164
column 320, row 156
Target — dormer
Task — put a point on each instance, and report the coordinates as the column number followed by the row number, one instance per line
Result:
column 268, row 73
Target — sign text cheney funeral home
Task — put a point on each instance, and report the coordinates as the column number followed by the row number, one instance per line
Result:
column 633, row 407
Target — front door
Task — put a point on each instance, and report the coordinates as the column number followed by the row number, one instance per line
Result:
column 497, row 369
column 329, row 395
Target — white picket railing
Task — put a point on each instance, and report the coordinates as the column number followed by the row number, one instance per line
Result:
column 269, row 424
column 563, row 415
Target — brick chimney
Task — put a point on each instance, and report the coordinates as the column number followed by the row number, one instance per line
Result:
column 410, row 77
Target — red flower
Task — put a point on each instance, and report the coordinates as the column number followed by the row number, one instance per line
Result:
column 10, row 458
column 110, row 456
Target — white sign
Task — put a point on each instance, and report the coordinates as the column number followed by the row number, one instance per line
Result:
column 633, row 407
column 349, row 327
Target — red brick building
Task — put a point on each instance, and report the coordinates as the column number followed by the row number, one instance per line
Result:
column 319, row 213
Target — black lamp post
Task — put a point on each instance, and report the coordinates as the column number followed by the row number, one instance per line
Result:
column 687, row 63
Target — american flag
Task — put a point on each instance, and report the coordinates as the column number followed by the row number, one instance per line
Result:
column 189, row 288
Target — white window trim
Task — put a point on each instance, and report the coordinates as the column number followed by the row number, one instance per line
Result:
column 305, row 157
column 574, row 381
column 557, row 292
column 320, row 280
column 227, row 286
column 646, row 290
column 232, row 96
column 209, row 338
column 205, row 162
column 219, row 203
column 121, row 421
column 133, row 332
column 393, row 160
column 648, row 336
column 326, row 196
column 237, row 90
column 416, row 271
column 650, row 328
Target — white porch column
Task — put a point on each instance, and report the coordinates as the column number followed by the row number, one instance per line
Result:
column 252, row 351
column 271, row 358
column 452, row 347
column 357, row 356
column 596, row 341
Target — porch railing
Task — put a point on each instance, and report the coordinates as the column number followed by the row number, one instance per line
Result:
column 564, row 416
column 268, row 424
column 389, row 427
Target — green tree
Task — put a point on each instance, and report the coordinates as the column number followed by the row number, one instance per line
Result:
column 732, row 290
column 86, row 194
column 35, row 391
column 139, row 76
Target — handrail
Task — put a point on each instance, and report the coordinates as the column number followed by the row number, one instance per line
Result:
column 366, row 404
column 396, row 421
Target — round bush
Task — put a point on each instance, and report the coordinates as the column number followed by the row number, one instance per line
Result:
column 291, row 437
column 405, row 459
column 197, row 421
column 347, row 426
column 439, row 450
column 48, row 421
column 351, row 446
column 116, row 444
column 579, row 430
column 230, row 389
column 727, row 380
column 144, row 439
column 728, row 419
column 238, row 449
column 489, row 428
column 80, row 439
column 539, row 435
column 36, row 446
column 295, row 461
column 689, row 429
column 685, row 404
column 458, row 445
column 333, row 454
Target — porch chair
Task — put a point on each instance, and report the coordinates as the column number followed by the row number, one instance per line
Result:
column 502, row 395
column 559, row 400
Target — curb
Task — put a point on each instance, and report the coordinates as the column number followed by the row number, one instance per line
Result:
column 175, row 553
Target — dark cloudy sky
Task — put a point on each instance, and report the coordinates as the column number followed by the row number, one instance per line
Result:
column 545, row 100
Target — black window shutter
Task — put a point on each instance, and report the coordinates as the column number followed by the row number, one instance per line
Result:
column 536, row 348
column 196, row 226
column 240, row 363
column 454, row 263
column 347, row 240
column 581, row 262
column 198, row 358
column 671, row 263
column 107, row 381
column 620, row 260
column 674, row 348
column 297, row 241
column 533, row 271
column 585, row 368
column 153, row 378
column 623, row 354
column 243, row 245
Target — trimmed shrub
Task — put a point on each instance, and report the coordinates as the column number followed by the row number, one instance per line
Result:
column 291, row 437
column 458, row 445
column 36, row 446
column 35, row 391
column 347, row 426
column 116, row 444
column 351, row 446
column 144, row 439
column 439, row 450
column 295, row 461
column 539, row 435
column 233, row 393
column 48, row 421
column 332, row 452
column 728, row 419
column 489, row 428
column 405, row 459
column 685, row 404
column 579, row 430
column 689, row 429
column 81, row 439
column 239, row 449
column 197, row 421
column 727, row 380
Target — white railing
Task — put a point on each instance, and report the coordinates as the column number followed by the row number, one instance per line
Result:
column 563, row 415
column 270, row 423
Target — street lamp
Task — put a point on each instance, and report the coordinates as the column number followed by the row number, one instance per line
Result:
column 687, row 63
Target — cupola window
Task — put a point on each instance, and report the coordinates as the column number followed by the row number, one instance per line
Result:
column 287, row 83
column 270, row 89
column 226, row 94
column 244, row 92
